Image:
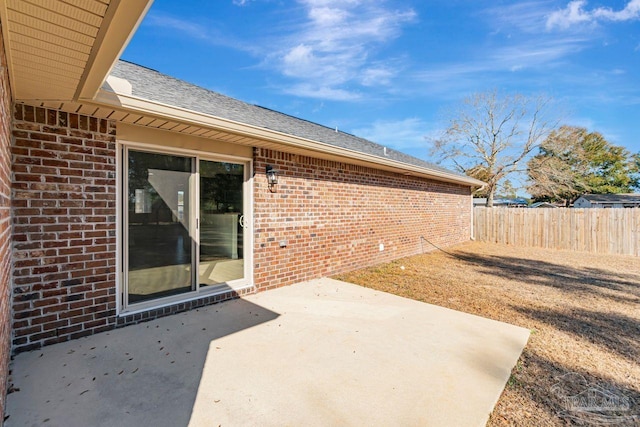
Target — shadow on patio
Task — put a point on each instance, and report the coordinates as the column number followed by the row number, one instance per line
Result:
column 323, row 352
column 145, row 374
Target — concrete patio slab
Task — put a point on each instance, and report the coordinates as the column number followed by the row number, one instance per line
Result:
column 318, row 353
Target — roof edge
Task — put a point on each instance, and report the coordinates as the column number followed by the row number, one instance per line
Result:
column 158, row 109
column 123, row 17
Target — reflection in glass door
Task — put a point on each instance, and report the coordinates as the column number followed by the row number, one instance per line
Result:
column 221, row 226
column 184, row 226
column 159, row 243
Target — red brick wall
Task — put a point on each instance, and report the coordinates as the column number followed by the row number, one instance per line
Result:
column 5, row 224
column 64, row 225
column 334, row 216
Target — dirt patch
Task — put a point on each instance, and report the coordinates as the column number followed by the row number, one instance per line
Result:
column 581, row 364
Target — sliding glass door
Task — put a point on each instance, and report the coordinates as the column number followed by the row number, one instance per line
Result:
column 159, row 243
column 221, row 223
column 184, row 225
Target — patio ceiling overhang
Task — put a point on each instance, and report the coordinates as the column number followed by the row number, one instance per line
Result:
column 64, row 50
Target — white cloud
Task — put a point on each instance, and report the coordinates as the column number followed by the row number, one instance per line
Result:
column 575, row 13
column 571, row 15
column 299, row 61
column 327, row 51
column 327, row 16
column 525, row 16
column 208, row 34
column 189, row 28
column 497, row 66
column 630, row 12
column 398, row 134
column 333, row 46
column 321, row 92
column 377, row 76
column 534, row 53
column 516, row 53
column 306, row 64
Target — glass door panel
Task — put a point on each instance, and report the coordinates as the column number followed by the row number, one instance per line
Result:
column 158, row 226
column 221, row 223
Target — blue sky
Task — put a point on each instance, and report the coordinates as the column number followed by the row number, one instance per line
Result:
column 390, row 70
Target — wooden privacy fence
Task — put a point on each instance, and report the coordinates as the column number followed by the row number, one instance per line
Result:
column 611, row 231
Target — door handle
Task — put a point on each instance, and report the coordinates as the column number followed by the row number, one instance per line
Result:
column 241, row 221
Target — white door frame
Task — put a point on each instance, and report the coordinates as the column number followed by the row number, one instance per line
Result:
column 122, row 147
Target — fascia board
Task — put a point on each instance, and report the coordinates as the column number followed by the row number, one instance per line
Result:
column 152, row 108
column 4, row 19
column 121, row 22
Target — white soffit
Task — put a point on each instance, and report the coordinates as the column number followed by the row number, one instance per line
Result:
column 127, row 109
column 241, row 133
column 63, row 50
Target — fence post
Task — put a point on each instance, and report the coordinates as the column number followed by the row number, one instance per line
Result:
column 614, row 231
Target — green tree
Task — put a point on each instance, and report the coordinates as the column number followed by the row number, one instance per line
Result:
column 489, row 136
column 572, row 161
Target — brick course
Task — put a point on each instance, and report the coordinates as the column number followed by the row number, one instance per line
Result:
column 5, row 225
column 334, row 216
column 64, row 230
column 64, row 225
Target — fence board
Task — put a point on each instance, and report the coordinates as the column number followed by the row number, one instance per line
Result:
column 612, row 231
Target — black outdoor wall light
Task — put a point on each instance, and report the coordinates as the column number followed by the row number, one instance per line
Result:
column 272, row 178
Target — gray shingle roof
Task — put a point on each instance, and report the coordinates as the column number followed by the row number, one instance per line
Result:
column 613, row 198
column 154, row 86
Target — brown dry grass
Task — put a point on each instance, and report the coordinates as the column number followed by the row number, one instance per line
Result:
column 583, row 311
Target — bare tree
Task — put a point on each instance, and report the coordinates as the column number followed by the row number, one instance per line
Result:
column 489, row 136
